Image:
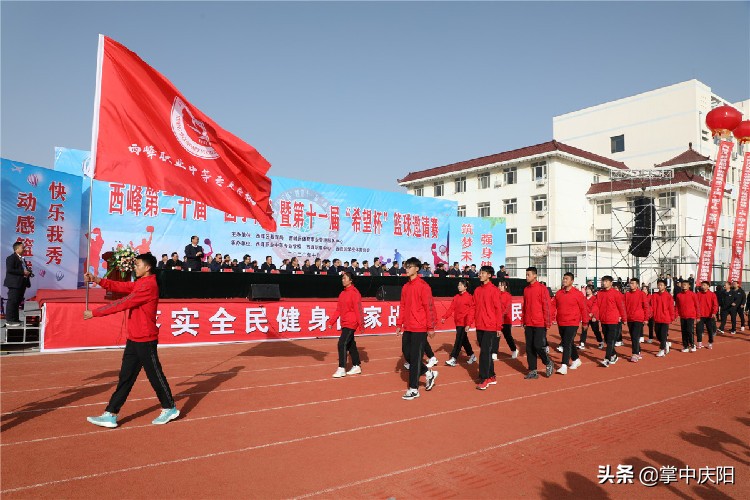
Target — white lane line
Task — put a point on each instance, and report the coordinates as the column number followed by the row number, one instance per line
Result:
column 376, row 426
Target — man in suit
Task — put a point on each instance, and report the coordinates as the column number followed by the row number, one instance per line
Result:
column 193, row 255
column 268, row 265
column 375, row 269
column 174, row 262
column 16, row 277
column 163, row 262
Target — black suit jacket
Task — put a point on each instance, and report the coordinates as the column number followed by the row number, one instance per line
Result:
column 14, row 268
column 190, row 253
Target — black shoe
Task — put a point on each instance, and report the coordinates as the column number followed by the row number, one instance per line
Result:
column 550, row 368
column 532, row 375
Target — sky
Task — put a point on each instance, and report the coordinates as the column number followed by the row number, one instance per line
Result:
column 361, row 93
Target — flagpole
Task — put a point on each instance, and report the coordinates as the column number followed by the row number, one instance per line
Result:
column 94, row 138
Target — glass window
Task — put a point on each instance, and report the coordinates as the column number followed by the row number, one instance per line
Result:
column 510, row 206
column 539, row 234
column 604, row 207
column 439, row 188
column 483, row 180
column 460, row 184
column 511, row 236
column 604, row 235
column 570, row 265
column 539, row 203
column 539, row 170
column 418, row 190
column 461, row 211
column 510, row 175
column 483, row 209
column 617, row 143
column 541, row 265
column 668, row 200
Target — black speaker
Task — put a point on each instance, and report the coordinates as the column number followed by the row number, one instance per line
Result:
column 643, row 226
column 388, row 292
column 264, row 292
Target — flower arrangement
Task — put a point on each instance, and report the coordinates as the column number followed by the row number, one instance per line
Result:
column 123, row 260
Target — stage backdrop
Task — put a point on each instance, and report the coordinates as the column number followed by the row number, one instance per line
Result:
column 41, row 208
column 478, row 240
column 313, row 220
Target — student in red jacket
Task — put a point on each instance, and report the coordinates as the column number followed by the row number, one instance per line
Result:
column 590, row 303
column 506, row 304
column 688, row 309
column 140, row 349
column 638, row 309
column 610, row 310
column 536, row 320
column 709, row 307
column 349, row 309
column 462, row 308
column 488, row 318
column 416, row 319
column 571, row 312
column 662, row 307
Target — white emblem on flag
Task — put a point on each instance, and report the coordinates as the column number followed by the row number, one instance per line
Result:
column 191, row 132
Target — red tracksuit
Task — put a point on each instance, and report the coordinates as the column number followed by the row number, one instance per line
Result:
column 708, row 304
column 662, row 307
column 609, row 310
column 416, row 317
column 462, row 308
column 488, row 317
column 689, row 310
column 349, row 308
column 571, row 309
column 536, row 306
column 637, row 306
column 141, row 302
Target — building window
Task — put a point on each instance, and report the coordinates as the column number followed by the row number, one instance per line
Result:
column 511, row 235
column 603, row 235
column 510, row 176
column 539, row 170
column 483, row 180
column 597, row 178
column 604, row 206
column 539, row 203
column 461, row 211
column 511, row 266
column 668, row 231
column 541, row 265
column 570, row 265
column 631, row 203
column 460, row 184
column 510, row 206
column 439, row 188
column 668, row 200
column 483, row 209
column 617, row 143
column 539, row 234
column 418, row 190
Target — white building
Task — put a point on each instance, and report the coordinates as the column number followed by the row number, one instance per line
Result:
column 565, row 208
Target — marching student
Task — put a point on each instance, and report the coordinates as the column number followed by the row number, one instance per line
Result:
column 571, row 312
column 506, row 304
column 709, row 306
column 349, row 309
column 536, row 319
column 141, row 303
column 428, row 352
column 688, row 309
column 416, row 320
column 647, row 291
column 489, row 321
column 590, row 303
column 662, row 307
column 610, row 311
column 462, row 308
column 638, row 309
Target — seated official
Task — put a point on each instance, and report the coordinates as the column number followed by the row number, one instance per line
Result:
column 317, row 267
column 425, row 271
column 268, row 265
column 245, row 264
column 440, row 272
column 227, row 263
column 306, row 266
column 394, row 270
column 326, row 265
column 215, row 265
column 455, row 270
column 292, row 266
column 502, row 274
column 337, row 268
column 375, row 268
column 163, row 262
column 473, row 271
column 174, row 261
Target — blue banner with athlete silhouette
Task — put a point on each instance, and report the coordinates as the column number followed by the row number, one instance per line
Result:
column 42, row 209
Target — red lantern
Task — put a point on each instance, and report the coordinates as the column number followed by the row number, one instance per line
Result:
column 742, row 132
column 723, row 120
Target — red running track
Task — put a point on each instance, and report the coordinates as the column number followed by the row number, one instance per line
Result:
column 267, row 421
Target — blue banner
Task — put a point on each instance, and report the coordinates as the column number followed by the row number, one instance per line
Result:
column 42, row 209
column 478, row 240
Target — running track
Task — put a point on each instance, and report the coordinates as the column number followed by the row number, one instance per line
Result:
column 268, row 421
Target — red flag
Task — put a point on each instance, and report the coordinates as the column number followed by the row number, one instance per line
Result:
column 146, row 133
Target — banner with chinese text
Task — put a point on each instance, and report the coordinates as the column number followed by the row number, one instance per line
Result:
column 42, row 209
column 739, row 235
column 477, row 240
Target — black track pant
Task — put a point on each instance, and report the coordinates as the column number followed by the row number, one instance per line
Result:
column 568, row 333
column 650, row 328
column 485, row 341
column 594, row 328
column 507, row 329
column 347, row 344
column 536, row 340
column 687, row 327
column 415, row 342
column 636, row 332
column 710, row 325
column 611, row 332
column 462, row 340
column 662, row 332
column 732, row 313
column 139, row 355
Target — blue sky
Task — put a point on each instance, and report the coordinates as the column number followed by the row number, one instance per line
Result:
column 362, row 93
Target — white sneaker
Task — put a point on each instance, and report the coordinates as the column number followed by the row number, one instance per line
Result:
column 515, row 353
column 742, row 328
column 601, row 345
column 451, row 362
column 407, row 366
column 410, row 394
column 575, row 364
column 340, row 372
column 660, row 354
column 640, row 340
column 693, row 349
column 686, row 350
column 432, row 362
column 669, row 344
column 581, row 346
column 546, row 349
column 650, row 341
column 559, row 348
column 494, row 356
column 472, row 359
column 563, row 370
column 356, row 370
column 618, row 344
column 710, row 345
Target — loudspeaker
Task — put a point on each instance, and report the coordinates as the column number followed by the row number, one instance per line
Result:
column 264, row 292
column 388, row 292
column 643, row 226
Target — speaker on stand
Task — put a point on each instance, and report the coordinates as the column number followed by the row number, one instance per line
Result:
column 644, row 224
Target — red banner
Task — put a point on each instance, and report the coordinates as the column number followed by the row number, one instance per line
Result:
column 713, row 212
column 202, row 322
column 146, row 133
column 739, row 235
